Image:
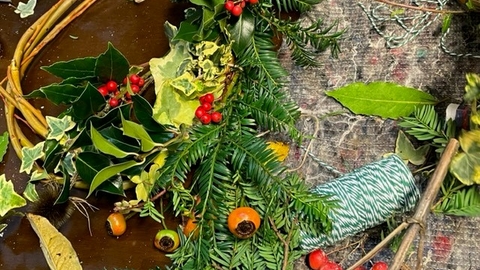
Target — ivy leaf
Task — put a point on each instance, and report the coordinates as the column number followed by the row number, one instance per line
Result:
column 58, row 93
column 27, row 9
column 88, row 103
column 105, row 146
column 3, row 145
column 136, row 131
column 10, row 199
column 111, row 65
column 58, row 127
column 29, row 155
column 108, row 172
column 404, row 148
column 384, row 99
column 465, row 166
column 76, row 68
column 36, row 176
column 242, row 32
column 30, row 193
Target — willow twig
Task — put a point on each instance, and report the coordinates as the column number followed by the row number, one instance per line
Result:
column 425, row 203
column 391, row 3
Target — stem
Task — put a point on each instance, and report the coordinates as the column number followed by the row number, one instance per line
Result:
column 388, row 2
column 425, row 203
column 285, row 242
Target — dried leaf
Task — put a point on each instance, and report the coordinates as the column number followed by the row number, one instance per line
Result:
column 405, row 149
column 58, row 251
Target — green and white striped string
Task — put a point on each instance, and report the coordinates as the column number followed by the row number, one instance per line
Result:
column 367, row 196
column 410, row 26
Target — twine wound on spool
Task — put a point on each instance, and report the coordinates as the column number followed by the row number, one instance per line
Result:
column 367, row 197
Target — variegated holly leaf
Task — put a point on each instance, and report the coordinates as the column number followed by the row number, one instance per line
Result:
column 405, row 149
column 3, row 145
column 9, row 198
column 58, row 126
column 134, row 130
column 30, row 155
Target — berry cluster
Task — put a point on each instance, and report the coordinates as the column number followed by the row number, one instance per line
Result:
column 236, row 7
column 318, row 260
column 203, row 112
column 113, row 92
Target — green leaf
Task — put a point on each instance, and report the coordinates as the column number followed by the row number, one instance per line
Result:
column 3, row 145
column 36, row 176
column 108, row 172
column 144, row 113
column 405, row 149
column 187, row 32
column 58, row 127
column 384, row 99
column 88, row 103
column 116, row 137
column 105, row 146
column 30, row 155
column 30, row 193
column 137, row 131
column 10, row 199
column 76, row 68
column 27, row 9
column 207, row 3
column 111, row 65
column 466, row 164
column 447, row 20
column 53, row 153
column 65, row 193
column 58, row 93
column 242, row 32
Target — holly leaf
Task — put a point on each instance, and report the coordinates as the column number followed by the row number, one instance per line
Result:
column 144, row 112
column 10, row 199
column 465, row 166
column 404, row 149
column 79, row 68
column 58, row 126
column 105, row 146
column 108, row 172
column 3, row 145
column 137, row 131
column 27, row 9
column 242, row 32
column 58, row 93
column 88, row 103
column 116, row 137
column 30, row 155
column 384, row 99
column 111, row 65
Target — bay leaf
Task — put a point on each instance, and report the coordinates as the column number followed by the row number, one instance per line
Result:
column 384, row 99
column 56, row 248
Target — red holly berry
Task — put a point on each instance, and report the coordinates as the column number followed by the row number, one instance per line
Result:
column 206, row 106
column 237, row 10
column 135, row 88
column 242, row 4
column 141, row 82
column 111, row 86
column 379, row 266
column 216, row 117
column 199, row 112
column 103, row 90
column 316, row 259
column 113, row 102
column 229, row 5
column 330, row 266
column 208, row 98
column 253, row 2
column 206, row 119
column 134, row 79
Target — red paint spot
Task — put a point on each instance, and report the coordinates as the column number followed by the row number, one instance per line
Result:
column 442, row 246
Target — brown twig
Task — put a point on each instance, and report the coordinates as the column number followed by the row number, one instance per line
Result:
column 391, row 3
column 285, row 242
column 425, row 203
column 141, row 204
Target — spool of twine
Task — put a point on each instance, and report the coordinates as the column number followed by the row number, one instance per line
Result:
column 366, row 196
